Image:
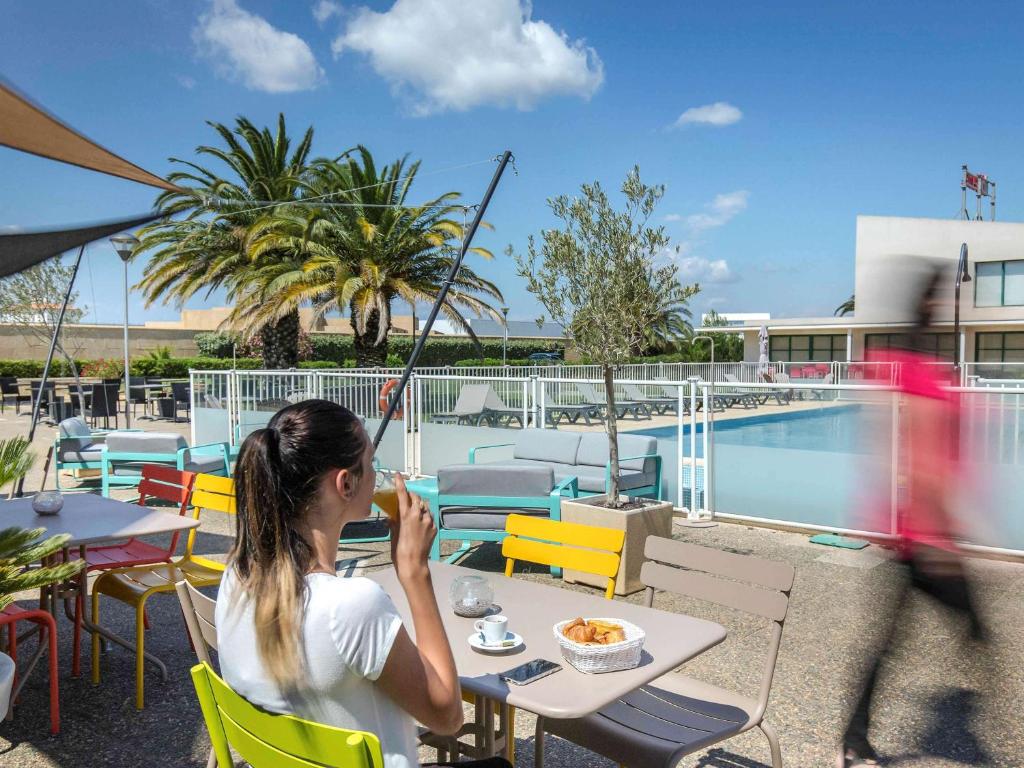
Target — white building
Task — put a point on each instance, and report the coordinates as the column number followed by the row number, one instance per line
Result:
column 888, row 255
column 739, row 319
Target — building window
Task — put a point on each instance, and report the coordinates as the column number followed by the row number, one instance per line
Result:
column 999, row 284
column 999, row 347
column 801, row 349
column 938, row 345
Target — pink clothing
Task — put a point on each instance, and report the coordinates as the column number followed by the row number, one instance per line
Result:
column 928, row 463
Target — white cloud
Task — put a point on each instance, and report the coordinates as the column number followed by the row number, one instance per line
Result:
column 325, row 9
column 719, row 211
column 672, row 217
column 449, row 54
column 246, row 47
column 719, row 113
column 186, row 82
column 700, row 270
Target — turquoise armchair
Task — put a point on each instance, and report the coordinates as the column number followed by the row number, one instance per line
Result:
column 126, row 452
column 76, row 446
column 470, row 502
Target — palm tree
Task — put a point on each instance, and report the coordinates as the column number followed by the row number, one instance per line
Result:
column 847, row 307
column 670, row 322
column 209, row 247
column 362, row 250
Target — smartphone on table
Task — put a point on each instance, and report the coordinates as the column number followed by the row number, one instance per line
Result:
column 530, row 671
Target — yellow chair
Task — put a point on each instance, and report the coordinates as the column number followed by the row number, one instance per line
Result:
column 134, row 586
column 266, row 740
column 587, row 548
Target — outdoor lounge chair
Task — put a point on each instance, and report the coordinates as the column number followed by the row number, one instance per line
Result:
column 573, row 412
column 676, row 715
column 760, row 395
column 660, row 405
column 473, row 501
column 469, row 406
column 126, row 452
column 77, row 447
column 593, row 397
column 823, row 394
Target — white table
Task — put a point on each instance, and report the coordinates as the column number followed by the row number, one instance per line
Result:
column 92, row 519
column 671, row 640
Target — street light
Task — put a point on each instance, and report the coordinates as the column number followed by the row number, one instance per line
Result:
column 962, row 276
column 504, row 343
column 125, row 245
column 707, row 338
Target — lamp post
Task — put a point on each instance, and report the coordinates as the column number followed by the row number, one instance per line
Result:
column 504, row 343
column 962, row 276
column 707, row 338
column 125, row 245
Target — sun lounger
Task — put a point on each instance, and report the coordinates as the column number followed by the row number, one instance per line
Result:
column 660, row 405
column 761, row 396
column 593, row 397
column 469, row 406
column 572, row 412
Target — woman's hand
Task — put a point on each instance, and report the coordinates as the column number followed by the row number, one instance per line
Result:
column 412, row 533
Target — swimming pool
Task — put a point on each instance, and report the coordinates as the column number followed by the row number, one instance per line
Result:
column 836, row 429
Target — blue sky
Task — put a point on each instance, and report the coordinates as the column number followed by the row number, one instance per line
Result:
column 800, row 115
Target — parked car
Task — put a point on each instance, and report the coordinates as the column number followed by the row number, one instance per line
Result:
column 545, row 357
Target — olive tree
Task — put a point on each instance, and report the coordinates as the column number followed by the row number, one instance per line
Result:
column 601, row 276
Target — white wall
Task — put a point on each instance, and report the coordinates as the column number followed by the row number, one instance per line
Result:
column 890, row 251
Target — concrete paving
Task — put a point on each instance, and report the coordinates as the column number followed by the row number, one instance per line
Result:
column 943, row 702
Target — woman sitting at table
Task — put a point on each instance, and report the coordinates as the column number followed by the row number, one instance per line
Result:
column 295, row 638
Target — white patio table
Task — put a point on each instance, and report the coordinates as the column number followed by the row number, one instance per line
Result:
column 533, row 609
column 92, row 519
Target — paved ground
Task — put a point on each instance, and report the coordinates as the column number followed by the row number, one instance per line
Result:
column 942, row 703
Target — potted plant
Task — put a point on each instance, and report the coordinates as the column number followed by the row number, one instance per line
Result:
column 19, row 549
column 609, row 279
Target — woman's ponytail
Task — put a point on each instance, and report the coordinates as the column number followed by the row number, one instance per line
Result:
column 278, row 471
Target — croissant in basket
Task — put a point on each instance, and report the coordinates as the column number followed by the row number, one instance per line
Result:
column 593, row 632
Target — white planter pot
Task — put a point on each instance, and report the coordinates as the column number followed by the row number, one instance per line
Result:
column 6, row 682
column 653, row 519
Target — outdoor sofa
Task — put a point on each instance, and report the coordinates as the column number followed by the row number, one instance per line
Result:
column 124, row 454
column 585, row 457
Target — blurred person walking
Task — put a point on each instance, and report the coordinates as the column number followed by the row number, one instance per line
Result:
column 926, row 549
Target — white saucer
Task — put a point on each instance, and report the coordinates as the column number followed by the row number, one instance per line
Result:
column 476, row 640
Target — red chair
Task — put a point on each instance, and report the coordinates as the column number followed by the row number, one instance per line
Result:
column 158, row 482
column 795, row 372
column 822, row 369
column 10, row 616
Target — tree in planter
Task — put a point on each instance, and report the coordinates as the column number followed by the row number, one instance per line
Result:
column 31, row 301
column 597, row 276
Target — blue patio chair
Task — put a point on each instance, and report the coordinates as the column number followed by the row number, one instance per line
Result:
column 470, row 502
column 77, row 447
column 121, row 462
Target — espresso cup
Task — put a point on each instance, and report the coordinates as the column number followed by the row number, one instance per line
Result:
column 493, row 628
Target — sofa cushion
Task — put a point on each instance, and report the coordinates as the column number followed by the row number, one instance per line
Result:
column 80, row 453
column 74, row 427
column 547, row 445
column 475, row 519
column 145, row 442
column 204, row 463
column 495, row 480
column 593, row 451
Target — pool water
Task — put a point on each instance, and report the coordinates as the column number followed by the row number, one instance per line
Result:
column 836, row 429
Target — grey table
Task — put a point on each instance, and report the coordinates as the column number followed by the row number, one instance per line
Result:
column 532, row 610
column 92, row 519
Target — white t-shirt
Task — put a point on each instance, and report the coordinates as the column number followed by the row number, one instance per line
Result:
column 348, row 628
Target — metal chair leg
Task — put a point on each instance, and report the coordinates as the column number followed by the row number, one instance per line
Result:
column 538, row 744
column 773, row 743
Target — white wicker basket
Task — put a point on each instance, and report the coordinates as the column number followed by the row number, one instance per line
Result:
column 613, row 657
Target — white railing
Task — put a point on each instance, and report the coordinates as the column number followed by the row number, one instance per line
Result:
column 992, row 433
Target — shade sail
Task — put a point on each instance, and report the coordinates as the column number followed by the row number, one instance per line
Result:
column 21, row 250
column 29, row 128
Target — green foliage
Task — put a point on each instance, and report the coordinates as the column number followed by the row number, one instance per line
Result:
column 103, row 369
column 178, row 367
column 847, row 307
column 492, row 361
column 33, row 369
column 215, row 343
column 21, row 548
column 15, row 460
column 160, row 353
column 320, row 364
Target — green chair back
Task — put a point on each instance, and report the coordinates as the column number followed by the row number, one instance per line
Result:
column 266, row 740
